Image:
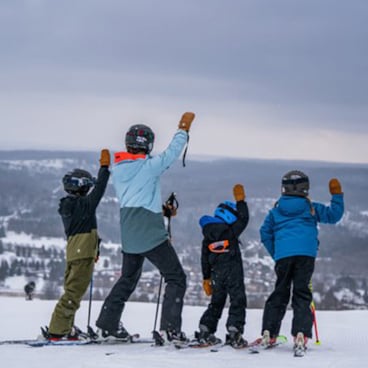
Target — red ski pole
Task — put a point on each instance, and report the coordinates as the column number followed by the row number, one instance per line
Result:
column 313, row 309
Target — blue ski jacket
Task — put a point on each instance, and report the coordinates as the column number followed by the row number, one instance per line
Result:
column 291, row 227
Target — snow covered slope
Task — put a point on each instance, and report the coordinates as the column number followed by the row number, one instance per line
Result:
column 343, row 338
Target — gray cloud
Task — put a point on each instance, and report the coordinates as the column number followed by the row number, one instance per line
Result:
column 299, row 64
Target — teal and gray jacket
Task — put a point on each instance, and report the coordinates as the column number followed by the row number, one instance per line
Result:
column 136, row 179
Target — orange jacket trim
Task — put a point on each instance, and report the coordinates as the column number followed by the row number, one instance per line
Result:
column 122, row 156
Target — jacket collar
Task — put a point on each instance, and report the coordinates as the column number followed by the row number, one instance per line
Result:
column 124, row 156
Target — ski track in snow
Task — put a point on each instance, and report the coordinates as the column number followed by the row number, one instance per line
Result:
column 343, row 337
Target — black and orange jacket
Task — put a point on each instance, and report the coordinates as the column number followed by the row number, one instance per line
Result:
column 217, row 231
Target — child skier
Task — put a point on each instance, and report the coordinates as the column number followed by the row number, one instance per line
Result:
column 78, row 213
column 222, row 269
column 290, row 235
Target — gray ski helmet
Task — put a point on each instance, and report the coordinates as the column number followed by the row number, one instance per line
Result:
column 295, row 183
column 78, row 181
column 139, row 138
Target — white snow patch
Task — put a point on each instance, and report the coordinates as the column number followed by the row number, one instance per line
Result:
column 28, row 239
column 343, row 337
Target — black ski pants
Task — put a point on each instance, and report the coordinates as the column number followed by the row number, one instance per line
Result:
column 227, row 279
column 297, row 272
column 166, row 260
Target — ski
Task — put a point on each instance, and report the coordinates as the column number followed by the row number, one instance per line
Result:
column 133, row 339
column 195, row 344
column 253, row 347
column 235, row 347
column 41, row 343
column 18, row 342
column 256, row 346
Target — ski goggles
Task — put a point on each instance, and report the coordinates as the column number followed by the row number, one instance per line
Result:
column 219, row 246
column 82, row 182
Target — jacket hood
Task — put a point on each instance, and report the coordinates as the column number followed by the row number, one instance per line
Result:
column 205, row 220
column 292, row 205
column 212, row 227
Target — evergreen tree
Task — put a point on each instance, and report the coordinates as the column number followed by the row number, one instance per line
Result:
column 51, row 290
column 4, row 270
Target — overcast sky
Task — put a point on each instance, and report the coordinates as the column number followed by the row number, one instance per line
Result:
column 266, row 78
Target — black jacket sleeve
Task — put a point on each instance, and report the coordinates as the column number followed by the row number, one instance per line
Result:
column 206, row 267
column 99, row 189
column 241, row 223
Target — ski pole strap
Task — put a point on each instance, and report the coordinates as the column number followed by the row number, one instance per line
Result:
column 219, row 246
column 185, row 151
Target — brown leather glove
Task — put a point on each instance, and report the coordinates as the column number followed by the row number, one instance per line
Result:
column 239, row 193
column 168, row 210
column 186, row 121
column 207, row 287
column 105, row 158
column 335, row 186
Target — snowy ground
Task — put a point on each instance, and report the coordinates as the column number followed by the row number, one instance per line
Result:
column 343, row 335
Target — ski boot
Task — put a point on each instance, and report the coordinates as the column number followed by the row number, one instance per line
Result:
column 205, row 338
column 168, row 337
column 300, row 344
column 267, row 340
column 235, row 339
column 75, row 334
column 120, row 334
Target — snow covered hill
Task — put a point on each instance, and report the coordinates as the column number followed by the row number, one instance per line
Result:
column 32, row 240
column 343, row 338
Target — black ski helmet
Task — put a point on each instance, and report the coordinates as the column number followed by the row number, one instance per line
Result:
column 78, row 181
column 295, row 183
column 139, row 138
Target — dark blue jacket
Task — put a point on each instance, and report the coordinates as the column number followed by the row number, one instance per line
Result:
column 215, row 229
column 290, row 228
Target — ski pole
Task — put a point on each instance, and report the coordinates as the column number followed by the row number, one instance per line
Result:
column 313, row 309
column 318, row 342
column 170, row 206
column 90, row 330
column 158, row 304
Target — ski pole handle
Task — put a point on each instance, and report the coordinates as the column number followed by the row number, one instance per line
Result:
column 170, row 206
column 172, row 201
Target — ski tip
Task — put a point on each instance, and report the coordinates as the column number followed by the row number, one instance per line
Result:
column 37, row 344
column 282, row 339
